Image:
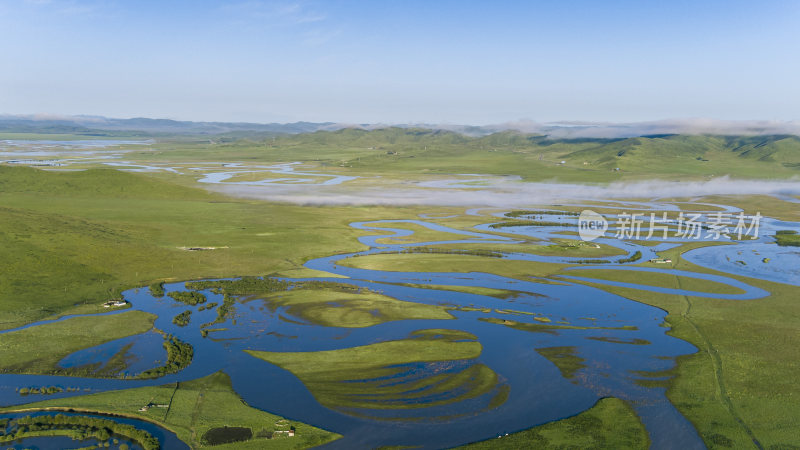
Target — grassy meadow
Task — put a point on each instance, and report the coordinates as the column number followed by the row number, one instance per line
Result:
column 611, row 423
column 71, row 240
column 397, row 153
column 192, row 408
column 39, row 349
column 739, row 389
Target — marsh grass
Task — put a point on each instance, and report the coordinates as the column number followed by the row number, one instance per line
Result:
column 376, row 376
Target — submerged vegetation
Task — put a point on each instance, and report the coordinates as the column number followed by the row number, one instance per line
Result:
column 564, row 358
column 355, row 377
column 549, row 328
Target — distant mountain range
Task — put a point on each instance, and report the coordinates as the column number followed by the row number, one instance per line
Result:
column 103, row 126
column 90, row 125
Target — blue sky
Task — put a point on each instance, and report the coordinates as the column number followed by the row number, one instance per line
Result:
column 402, row 61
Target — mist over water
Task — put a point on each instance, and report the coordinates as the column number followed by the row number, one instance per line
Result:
column 506, row 193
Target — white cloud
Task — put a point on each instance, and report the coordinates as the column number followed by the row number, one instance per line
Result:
column 570, row 129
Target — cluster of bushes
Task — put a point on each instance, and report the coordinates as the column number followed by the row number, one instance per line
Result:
column 208, row 306
column 157, row 290
column 40, row 390
column 77, row 428
column 242, row 286
column 593, row 261
column 635, row 257
column 179, row 356
column 183, row 318
column 222, row 312
column 226, row 308
column 188, row 297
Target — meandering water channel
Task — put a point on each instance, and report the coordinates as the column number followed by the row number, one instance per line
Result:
column 621, row 344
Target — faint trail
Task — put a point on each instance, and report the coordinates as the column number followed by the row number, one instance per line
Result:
column 177, row 386
column 198, row 405
column 717, row 363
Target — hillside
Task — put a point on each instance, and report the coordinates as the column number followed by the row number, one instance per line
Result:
column 395, row 151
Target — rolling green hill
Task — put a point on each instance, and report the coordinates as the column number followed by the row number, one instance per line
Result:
column 397, row 151
column 72, row 240
column 92, row 183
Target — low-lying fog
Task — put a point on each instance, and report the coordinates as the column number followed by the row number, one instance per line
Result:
column 507, row 193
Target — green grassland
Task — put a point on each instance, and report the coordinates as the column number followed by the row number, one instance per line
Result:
column 395, row 152
column 558, row 247
column 72, row 240
column 609, row 424
column 787, row 238
column 356, row 377
column 421, row 234
column 302, row 272
column 405, row 262
column 478, row 290
column 342, row 309
column 193, row 408
column 54, row 341
column 740, row 385
column 751, row 204
column 69, row 241
column 657, row 279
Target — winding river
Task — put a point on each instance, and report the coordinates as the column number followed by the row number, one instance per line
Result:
column 622, row 343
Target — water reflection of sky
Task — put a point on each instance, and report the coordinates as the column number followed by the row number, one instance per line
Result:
column 142, row 352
